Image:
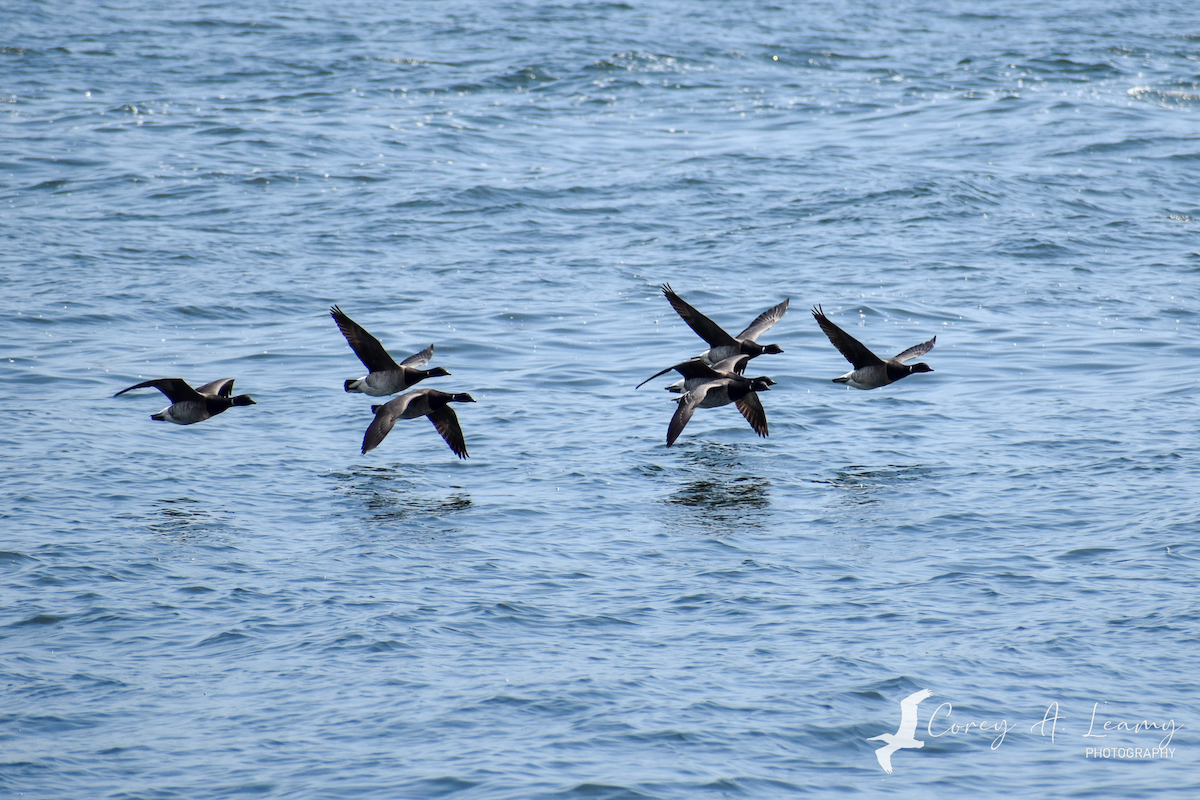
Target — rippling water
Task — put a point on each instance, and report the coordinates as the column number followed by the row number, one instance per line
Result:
column 248, row 607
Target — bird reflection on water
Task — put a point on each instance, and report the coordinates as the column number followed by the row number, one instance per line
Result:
column 385, row 493
column 721, row 488
column 183, row 518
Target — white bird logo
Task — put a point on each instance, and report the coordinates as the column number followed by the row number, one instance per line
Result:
column 905, row 735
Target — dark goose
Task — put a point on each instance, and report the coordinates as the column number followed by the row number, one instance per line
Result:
column 421, row 403
column 188, row 405
column 870, row 371
column 384, row 375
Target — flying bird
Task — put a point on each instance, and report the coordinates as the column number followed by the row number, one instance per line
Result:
column 384, row 375
column 188, row 405
column 905, row 735
column 420, row 403
column 721, row 344
column 870, row 371
column 720, row 391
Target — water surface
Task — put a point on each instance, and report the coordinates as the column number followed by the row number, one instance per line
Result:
column 249, row 607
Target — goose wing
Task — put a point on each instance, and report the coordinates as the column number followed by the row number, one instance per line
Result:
column 385, row 419
column 916, row 350
column 734, row 364
column 854, row 350
column 687, row 406
column 692, row 368
column 446, row 422
column 368, row 349
column 752, row 409
column 222, row 387
column 418, row 359
column 764, row 321
column 176, row 389
column 652, row 377
column 704, row 327
column 696, row 368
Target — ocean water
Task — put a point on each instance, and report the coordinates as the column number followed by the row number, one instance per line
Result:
column 248, row 607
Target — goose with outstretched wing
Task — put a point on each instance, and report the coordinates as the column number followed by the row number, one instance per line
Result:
column 384, row 375
column 870, row 371
column 721, row 344
column 188, row 405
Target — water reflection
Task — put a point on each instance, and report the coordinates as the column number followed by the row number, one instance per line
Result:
column 718, row 489
column 183, row 518
column 388, row 493
column 717, row 494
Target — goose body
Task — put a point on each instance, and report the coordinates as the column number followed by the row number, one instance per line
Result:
column 419, row 403
column 188, row 405
column 870, row 371
column 384, row 375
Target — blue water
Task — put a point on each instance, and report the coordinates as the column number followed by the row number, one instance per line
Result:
column 248, row 607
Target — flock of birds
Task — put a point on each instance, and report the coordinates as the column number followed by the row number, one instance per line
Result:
column 712, row 379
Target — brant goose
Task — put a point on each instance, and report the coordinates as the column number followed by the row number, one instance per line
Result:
column 720, row 392
column 384, row 375
column 189, row 405
column 870, row 371
column 421, row 403
column 721, row 344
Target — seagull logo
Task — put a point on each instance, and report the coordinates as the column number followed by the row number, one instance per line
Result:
column 905, row 736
